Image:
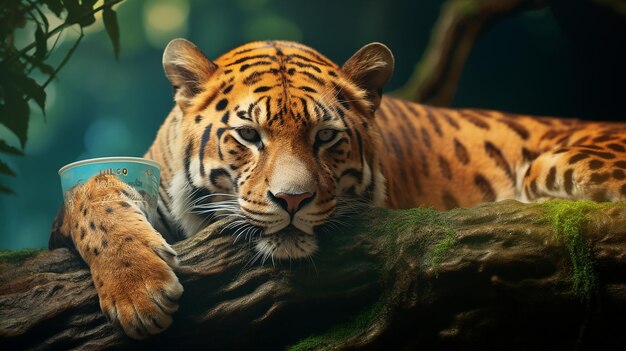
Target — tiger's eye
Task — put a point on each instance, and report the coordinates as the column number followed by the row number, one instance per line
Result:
column 326, row 135
column 249, row 134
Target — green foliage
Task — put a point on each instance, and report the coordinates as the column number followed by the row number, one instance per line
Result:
column 17, row 88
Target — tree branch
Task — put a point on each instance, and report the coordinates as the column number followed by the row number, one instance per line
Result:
column 496, row 276
column 436, row 76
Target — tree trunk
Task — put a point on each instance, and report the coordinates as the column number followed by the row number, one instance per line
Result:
column 499, row 276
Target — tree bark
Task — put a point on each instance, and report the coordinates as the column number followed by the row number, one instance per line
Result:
column 497, row 276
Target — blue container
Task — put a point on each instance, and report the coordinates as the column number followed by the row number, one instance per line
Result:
column 140, row 173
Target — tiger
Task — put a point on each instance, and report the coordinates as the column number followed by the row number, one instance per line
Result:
column 276, row 137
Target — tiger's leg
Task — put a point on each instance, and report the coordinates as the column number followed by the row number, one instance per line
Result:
column 596, row 172
column 130, row 263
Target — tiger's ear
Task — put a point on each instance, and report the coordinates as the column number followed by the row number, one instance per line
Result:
column 370, row 68
column 187, row 68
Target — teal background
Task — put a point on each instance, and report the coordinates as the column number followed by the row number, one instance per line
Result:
column 559, row 61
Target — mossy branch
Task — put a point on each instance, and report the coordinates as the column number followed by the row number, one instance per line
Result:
column 498, row 276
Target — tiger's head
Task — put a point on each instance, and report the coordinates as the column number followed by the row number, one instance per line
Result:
column 273, row 135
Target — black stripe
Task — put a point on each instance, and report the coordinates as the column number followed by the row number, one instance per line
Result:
column 433, row 121
column 206, row 136
column 551, row 178
column 248, row 58
column 357, row 174
column 396, row 110
column 307, row 89
column 359, row 145
column 187, row 161
column 268, row 108
column 529, row 155
column 444, row 166
column 244, row 51
column 519, row 129
column 395, row 106
column 341, row 98
column 324, row 110
column 397, row 148
column 485, row 187
column 604, row 155
column 262, row 89
column 426, row 138
column 306, row 65
column 568, row 181
column 220, row 132
column 313, row 77
column 449, row 119
column 259, row 63
column 225, row 117
column 314, row 54
column 305, row 108
column 495, row 154
column 461, row 152
column 306, row 59
column 474, row 119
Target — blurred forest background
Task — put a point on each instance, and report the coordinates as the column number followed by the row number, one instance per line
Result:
column 566, row 60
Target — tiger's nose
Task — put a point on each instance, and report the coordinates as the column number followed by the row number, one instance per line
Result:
column 291, row 202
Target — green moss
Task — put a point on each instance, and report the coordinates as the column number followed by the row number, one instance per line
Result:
column 17, row 256
column 568, row 219
column 440, row 235
column 340, row 334
column 399, row 221
column 442, row 247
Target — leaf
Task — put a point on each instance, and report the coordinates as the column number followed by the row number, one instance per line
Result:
column 56, row 6
column 73, row 10
column 89, row 3
column 86, row 7
column 41, row 42
column 80, row 13
column 109, row 17
column 45, row 68
column 8, row 149
column 14, row 114
column 5, row 190
column 31, row 89
column 6, row 170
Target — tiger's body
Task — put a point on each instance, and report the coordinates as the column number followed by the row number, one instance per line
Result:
column 273, row 134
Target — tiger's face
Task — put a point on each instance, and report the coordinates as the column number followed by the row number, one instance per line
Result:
column 275, row 136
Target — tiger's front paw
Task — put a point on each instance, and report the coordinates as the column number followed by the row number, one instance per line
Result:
column 137, row 288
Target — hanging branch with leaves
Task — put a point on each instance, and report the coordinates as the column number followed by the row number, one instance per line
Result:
column 17, row 87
